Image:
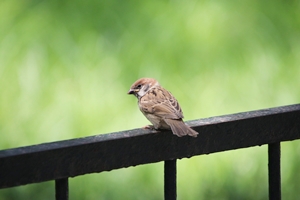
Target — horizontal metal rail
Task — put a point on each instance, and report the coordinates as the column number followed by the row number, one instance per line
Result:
column 61, row 160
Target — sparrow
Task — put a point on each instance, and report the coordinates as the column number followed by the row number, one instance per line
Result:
column 160, row 107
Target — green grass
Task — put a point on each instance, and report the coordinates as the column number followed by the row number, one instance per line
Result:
column 65, row 68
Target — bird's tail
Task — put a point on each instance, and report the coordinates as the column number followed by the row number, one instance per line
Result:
column 179, row 128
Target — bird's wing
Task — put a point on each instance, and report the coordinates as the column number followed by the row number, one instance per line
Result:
column 161, row 103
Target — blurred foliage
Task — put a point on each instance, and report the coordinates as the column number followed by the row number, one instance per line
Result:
column 65, row 68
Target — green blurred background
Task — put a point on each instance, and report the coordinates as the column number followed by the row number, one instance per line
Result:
column 65, row 68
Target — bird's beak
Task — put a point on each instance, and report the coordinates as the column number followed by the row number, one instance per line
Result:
column 131, row 91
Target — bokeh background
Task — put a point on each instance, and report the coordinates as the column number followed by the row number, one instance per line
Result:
column 65, row 68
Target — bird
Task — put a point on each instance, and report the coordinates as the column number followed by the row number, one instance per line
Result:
column 160, row 107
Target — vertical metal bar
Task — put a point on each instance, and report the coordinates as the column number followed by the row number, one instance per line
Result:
column 62, row 189
column 170, row 179
column 274, row 171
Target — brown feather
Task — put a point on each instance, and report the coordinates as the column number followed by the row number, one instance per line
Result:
column 161, row 103
column 180, row 129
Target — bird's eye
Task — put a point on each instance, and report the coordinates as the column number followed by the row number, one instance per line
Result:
column 139, row 86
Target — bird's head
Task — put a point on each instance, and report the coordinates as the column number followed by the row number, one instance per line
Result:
column 142, row 86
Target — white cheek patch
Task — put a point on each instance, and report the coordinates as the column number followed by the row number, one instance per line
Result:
column 142, row 92
column 146, row 88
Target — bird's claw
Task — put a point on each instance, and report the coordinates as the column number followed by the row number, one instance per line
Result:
column 149, row 127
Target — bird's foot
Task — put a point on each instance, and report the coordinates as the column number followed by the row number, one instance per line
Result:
column 149, row 127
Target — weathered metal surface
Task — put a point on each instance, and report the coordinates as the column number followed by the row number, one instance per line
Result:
column 106, row 152
column 274, row 171
column 62, row 189
column 170, row 184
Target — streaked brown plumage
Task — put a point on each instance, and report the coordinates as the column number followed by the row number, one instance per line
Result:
column 160, row 107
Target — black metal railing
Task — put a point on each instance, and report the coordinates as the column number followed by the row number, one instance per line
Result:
column 60, row 160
